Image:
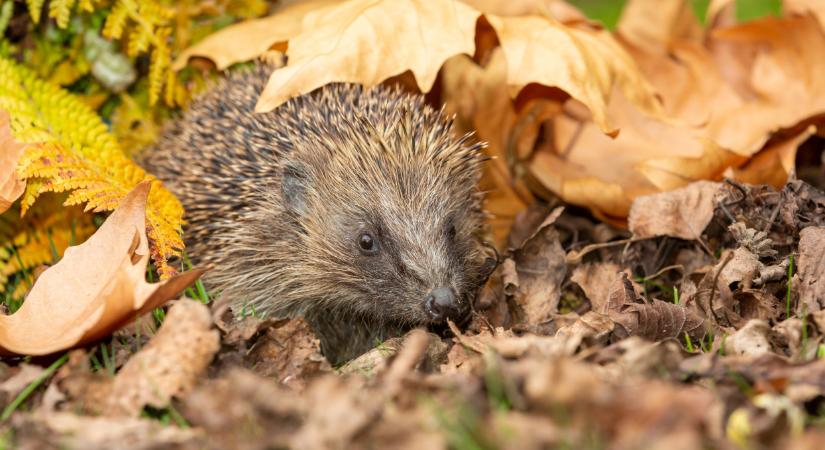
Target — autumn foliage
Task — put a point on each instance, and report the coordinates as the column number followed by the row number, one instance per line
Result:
column 686, row 265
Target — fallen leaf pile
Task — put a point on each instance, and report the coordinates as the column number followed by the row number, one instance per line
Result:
column 681, row 308
column 641, row 339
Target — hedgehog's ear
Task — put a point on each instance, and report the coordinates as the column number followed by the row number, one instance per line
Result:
column 294, row 188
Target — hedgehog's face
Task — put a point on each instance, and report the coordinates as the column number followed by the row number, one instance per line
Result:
column 400, row 236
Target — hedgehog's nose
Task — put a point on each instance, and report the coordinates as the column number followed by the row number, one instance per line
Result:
column 441, row 303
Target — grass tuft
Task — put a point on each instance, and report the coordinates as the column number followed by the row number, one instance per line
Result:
column 27, row 391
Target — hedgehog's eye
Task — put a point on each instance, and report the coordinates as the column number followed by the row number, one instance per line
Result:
column 368, row 244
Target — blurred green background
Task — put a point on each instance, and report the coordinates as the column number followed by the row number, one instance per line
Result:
column 608, row 11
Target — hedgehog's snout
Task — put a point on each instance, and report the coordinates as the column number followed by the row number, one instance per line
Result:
column 442, row 303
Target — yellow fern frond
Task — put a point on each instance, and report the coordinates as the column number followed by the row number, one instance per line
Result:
column 86, row 5
column 35, row 6
column 116, row 21
column 159, row 64
column 74, row 152
column 30, row 241
column 60, row 10
column 139, row 40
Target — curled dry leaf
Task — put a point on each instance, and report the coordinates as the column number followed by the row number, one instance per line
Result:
column 683, row 213
column 654, row 321
column 170, row 364
column 541, row 267
column 774, row 163
column 481, row 100
column 289, row 351
column 11, row 186
column 596, row 280
column 582, row 61
column 584, row 166
column 96, row 288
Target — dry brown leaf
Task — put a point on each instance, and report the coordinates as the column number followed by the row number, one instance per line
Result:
column 288, row 351
column 541, row 266
column 774, row 163
column 780, row 72
column 750, row 340
column 635, row 356
column 11, row 187
column 816, row 7
column 169, row 365
column 727, row 94
column 656, row 23
column 811, row 282
column 45, row 430
column 247, row 40
column 368, row 41
column 683, row 213
column 788, row 335
column 742, row 268
column 591, row 328
column 654, row 321
column 585, row 167
column 596, row 280
column 244, row 410
column 98, row 287
column 557, row 9
column 21, row 377
column 586, row 63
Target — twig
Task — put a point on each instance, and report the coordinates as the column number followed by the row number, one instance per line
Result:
column 728, row 259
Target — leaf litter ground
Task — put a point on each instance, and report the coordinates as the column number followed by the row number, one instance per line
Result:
column 584, row 337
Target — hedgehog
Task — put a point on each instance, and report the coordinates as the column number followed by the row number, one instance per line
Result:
column 355, row 208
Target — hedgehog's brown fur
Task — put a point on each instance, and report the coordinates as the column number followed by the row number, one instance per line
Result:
column 275, row 202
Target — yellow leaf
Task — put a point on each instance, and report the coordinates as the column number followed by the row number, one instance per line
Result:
column 96, row 288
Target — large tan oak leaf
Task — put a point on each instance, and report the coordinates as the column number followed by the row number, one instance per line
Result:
column 98, row 287
column 11, row 186
column 369, row 41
